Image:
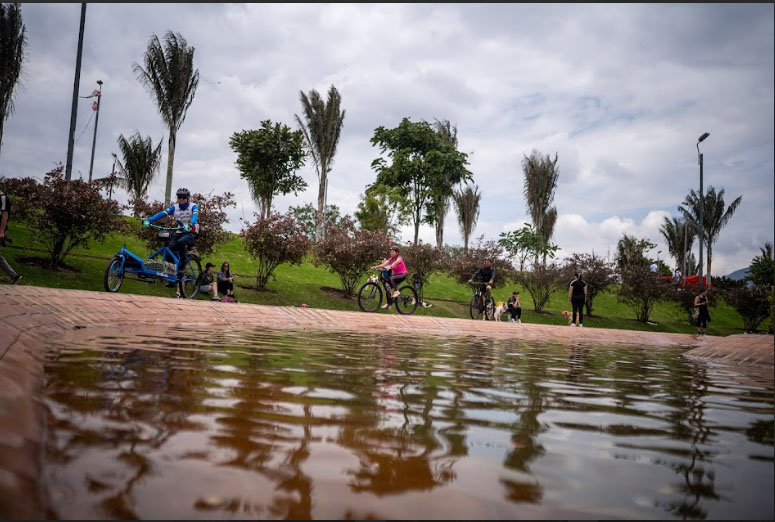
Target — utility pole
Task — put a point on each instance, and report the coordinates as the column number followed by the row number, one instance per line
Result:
column 76, row 83
column 96, row 121
column 702, row 205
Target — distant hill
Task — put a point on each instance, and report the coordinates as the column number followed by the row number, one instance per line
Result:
column 737, row 275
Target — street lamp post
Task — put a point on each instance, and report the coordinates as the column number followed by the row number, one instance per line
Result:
column 74, row 109
column 687, row 224
column 96, row 121
column 702, row 204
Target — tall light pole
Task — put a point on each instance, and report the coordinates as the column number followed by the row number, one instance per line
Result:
column 71, row 138
column 702, row 204
column 96, row 121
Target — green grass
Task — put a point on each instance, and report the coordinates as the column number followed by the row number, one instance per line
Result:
column 317, row 287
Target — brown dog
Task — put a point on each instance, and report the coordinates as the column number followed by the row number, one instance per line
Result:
column 568, row 315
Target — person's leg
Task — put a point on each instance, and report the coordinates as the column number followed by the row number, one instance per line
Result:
column 214, row 290
column 519, row 314
column 8, row 270
column 513, row 312
column 574, row 307
column 581, row 312
column 395, row 280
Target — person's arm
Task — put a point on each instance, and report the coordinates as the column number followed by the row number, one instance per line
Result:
column 585, row 291
column 3, row 223
column 492, row 278
column 161, row 214
column 194, row 214
column 697, row 301
column 479, row 271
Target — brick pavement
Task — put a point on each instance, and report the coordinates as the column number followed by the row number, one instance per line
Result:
column 30, row 316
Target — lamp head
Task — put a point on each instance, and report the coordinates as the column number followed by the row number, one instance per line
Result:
column 702, row 138
column 99, row 82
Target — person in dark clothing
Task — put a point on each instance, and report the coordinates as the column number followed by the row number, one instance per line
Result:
column 701, row 305
column 487, row 275
column 5, row 214
column 225, row 281
column 514, row 308
column 577, row 295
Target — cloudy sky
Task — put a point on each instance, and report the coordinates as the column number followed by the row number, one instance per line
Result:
column 620, row 92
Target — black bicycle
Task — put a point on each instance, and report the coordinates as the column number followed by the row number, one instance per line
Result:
column 481, row 303
column 370, row 296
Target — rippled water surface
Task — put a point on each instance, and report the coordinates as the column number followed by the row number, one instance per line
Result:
column 258, row 424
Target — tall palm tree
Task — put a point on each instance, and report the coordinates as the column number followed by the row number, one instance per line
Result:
column 673, row 231
column 448, row 135
column 170, row 78
column 140, row 165
column 467, row 205
column 715, row 215
column 13, row 40
column 322, row 128
column 541, row 174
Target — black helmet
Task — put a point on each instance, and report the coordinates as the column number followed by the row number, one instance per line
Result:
column 395, row 247
column 183, row 192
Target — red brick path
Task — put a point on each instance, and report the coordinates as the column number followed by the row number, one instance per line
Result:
column 30, row 316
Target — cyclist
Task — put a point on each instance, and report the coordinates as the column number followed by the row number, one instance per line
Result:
column 487, row 274
column 186, row 214
column 394, row 271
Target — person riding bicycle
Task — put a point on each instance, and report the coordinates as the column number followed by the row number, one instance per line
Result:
column 186, row 214
column 394, row 271
column 487, row 274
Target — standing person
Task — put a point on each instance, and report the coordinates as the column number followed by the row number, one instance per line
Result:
column 394, row 271
column 186, row 214
column 515, row 309
column 5, row 215
column 701, row 305
column 225, row 280
column 577, row 295
column 206, row 283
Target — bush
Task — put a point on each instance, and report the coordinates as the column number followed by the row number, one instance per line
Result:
column 685, row 299
column 349, row 252
column 595, row 271
column 422, row 260
column 64, row 214
column 541, row 282
column 752, row 303
column 641, row 290
column 277, row 239
column 462, row 266
column 212, row 217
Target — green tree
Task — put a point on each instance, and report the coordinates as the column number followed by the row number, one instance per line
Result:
column 762, row 269
column 383, row 208
column 526, row 242
column 140, row 165
column 467, row 204
column 716, row 215
column 541, row 174
column 631, row 252
column 419, row 160
column 322, row 127
column 170, row 78
column 308, row 216
column 13, row 40
column 673, row 231
column 439, row 204
column 598, row 273
column 641, row 291
column 267, row 159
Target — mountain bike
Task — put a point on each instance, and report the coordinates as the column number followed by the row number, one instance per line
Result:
column 370, row 296
column 159, row 266
column 481, row 304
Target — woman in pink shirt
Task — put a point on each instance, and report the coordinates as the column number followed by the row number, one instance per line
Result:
column 394, row 270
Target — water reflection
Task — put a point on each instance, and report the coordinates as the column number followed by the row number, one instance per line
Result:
column 257, row 424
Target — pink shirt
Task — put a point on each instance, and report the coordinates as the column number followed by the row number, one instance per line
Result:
column 399, row 267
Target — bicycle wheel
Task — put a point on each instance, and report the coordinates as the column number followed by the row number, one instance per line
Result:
column 370, row 297
column 475, row 309
column 406, row 303
column 190, row 278
column 489, row 310
column 114, row 275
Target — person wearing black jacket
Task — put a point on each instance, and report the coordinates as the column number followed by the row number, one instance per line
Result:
column 577, row 295
column 5, row 214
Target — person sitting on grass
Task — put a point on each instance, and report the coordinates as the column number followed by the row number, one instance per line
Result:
column 225, row 281
column 206, row 283
column 515, row 309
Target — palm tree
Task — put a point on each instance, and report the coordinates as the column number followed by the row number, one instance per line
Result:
column 170, row 78
column 715, row 216
column 541, row 174
column 141, row 163
column 448, row 135
column 467, row 206
column 13, row 40
column 673, row 231
column 322, row 131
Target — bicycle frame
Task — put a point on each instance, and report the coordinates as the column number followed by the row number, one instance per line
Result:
column 133, row 264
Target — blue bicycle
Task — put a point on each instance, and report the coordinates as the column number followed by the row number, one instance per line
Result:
column 160, row 266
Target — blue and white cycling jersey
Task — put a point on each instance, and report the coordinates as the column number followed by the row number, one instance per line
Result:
column 186, row 213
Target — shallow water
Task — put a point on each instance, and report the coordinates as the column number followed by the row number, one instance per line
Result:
column 260, row 424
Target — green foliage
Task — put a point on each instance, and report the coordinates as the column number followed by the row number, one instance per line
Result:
column 541, row 282
column 752, row 303
column 141, row 161
column 631, row 252
column 383, row 208
column 13, row 41
column 268, row 159
column 308, row 216
column 464, row 264
column 541, row 175
column 275, row 240
column 599, row 274
column 641, row 290
column 762, row 269
column 422, row 260
column 467, row 204
column 526, row 242
column 676, row 233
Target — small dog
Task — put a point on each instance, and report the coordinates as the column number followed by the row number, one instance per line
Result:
column 499, row 311
column 568, row 315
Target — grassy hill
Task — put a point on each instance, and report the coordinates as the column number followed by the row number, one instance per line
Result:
column 319, row 288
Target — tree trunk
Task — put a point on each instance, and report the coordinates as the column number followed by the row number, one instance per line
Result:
column 170, row 162
column 440, row 215
column 319, row 228
column 2, row 121
column 710, row 256
column 416, row 223
column 465, row 243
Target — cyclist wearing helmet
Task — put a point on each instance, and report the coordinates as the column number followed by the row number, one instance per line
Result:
column 394, row 271
column 186, row 214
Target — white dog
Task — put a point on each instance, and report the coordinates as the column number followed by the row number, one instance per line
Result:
column 499, row 310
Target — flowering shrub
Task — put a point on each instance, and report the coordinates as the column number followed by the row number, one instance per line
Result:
column 274, row 240
column 463, row 265
column 641, row 290
column 64, row 214
column 212, row 216
column 422, row 260
column 349, row 252
column 752, row 303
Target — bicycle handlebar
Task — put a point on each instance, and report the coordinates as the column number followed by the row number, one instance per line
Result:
column 157, row 227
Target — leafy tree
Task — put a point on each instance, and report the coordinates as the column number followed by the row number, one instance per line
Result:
column 599, row 274
column 631, row 252
column 274, row 240
column 64, row 214
column 752, row 303
column 673, row 231
column 309, row 218
column 715, row 215
column 439, row 204
column 541, row 282
column 140, row 165
column 13, row 41
column 212, row 217
column 685, row 300
column 762, row 269
column 467, row 202
column 641, row 290
column 170, row 78
column 541, row 174
column 383, row 208
column 322, row 128
column 526, row 242
column 466, row 263
column 349, row 252
column 419, row 162
column 267, row 159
